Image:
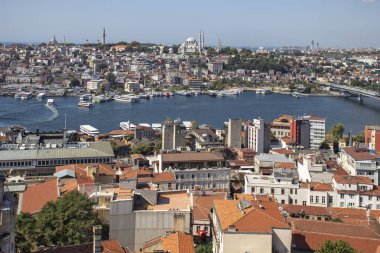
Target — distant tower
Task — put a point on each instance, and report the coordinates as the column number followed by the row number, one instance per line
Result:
column 104, row 36
column 219, row 46
column 317, row 45
column 312, row 44
column 203, row 39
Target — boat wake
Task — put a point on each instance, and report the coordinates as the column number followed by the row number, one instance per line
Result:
column 54, row 111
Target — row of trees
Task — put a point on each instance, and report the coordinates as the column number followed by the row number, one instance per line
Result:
column 68, row 221
column 335, row 134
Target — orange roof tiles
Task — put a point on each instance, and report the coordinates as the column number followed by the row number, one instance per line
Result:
column 202, row 206
column 251, row 219
column 348, row 179
column 315, row 186
column 308, row 210
column 192, row 156
column 178, row 243
column 36, row 196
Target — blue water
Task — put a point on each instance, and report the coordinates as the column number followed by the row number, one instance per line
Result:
column 205, row 109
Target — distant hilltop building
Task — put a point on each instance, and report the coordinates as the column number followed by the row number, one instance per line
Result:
column 191, row 45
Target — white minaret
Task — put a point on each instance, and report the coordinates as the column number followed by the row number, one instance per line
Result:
column 200, row 42
column 203, row 39
column 104, row 36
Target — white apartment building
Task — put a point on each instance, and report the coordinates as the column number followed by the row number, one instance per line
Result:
column 255, row 133
column 94, row 85
column 345, row 191
column 360, row 162
column 317, row 130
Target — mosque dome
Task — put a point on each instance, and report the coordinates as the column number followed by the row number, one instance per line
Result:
column 190, row 39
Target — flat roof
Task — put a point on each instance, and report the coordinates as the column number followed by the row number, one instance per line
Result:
column 166, row 201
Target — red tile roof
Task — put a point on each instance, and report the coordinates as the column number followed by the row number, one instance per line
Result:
column 359, row 155
column 348, row 179
column 310, row 235
column 307, row 210
column 109, row 246
column 36, row 196
column 203, row 204
column 178, row 243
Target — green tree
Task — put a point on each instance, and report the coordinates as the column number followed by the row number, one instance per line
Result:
column 68, row 221
column 324, row 145
column 336, row 132
column 336, row 247
column 111, row 78
column 141, row 148
column 204, row 248
column 359, row 138
column 25, row 232
column 194, row 124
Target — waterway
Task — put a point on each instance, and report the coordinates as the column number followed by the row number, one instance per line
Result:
column 204, row 109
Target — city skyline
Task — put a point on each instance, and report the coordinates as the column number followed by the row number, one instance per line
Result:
column 337, row 23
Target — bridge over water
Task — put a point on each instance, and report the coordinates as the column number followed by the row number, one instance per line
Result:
column 355, row 91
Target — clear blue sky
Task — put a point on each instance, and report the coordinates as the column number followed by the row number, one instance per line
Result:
column 344, row 23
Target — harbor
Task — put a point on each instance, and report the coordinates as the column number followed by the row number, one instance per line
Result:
column 107, row 116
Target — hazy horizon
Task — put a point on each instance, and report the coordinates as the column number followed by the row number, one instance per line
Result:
column 276, row 23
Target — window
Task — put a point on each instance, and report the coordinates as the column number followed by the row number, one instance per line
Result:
column 304, row 203
column 253, row 189
column 377, row 206
column 291, row 191
column 317, row 199
column 311, row 199
column 295, row 191
column 272, row 190
column 341, row 204
column 198, row 228
column 170, row 185
column 283, row 202
column 342, row 196
column 261, row 190
column 369, row 197
column 323, row 199
column 282, row 191
column 351, row 195
column 295, row 201
column 330, row 199
column 206, row 228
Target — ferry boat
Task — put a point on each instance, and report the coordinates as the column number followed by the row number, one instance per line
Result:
column 41, row 95
column 127, row 125
column 50, row 104
column 25, row 95
column 89, row 130
column 86, row 104
column 123, row 98
column 85, row 101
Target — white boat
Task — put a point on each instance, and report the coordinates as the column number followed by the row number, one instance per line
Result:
column 296, row 94
column 85, row 101
column 86, row 104
column 123, row 98
column 221, row 94
column 127, row 125
column 41, row 95
column 25, row 95
column 50, row 104
column 89, row 130
column 264, row 91
column 17, row 95
column 144, row 96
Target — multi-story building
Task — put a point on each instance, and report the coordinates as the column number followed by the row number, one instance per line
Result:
column 146, row 215
column 234, row 133
column 357, row 161
column 255, row 135
column 372, row 138
column 300, row 132
column 173, row 135
column 7, row 219
column 94, row 85
column 345, row 191
column 42, row 161
column 215, row 67
column 206, row 139
column 131, row 86
column 317, row 130
column 195, row 170
column 280, row 127
column 256, row 221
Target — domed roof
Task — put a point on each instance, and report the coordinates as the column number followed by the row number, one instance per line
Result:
column 191, row 39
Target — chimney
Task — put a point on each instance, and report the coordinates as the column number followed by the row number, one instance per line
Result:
column 97, row 239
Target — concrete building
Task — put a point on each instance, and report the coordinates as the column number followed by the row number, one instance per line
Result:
column 280, row 127
column 194, row 84
column 215, row 67
column 94, row 85
column 255, row 135
column 249, row 224
column 195, row 170
column 372, row 138
column 300, row 132
column 42, row 162
column 361, row 162
column 317, row 131
column 7, row 219
column 131, row 86
column 147, row 215
column 173, row 135
column 234, row 127
column 206, row 139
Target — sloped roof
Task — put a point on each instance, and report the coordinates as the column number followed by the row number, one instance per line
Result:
column 109, row 246
column 36, row 196
column 203, row 204
column 178, row 243
column 252, row 219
